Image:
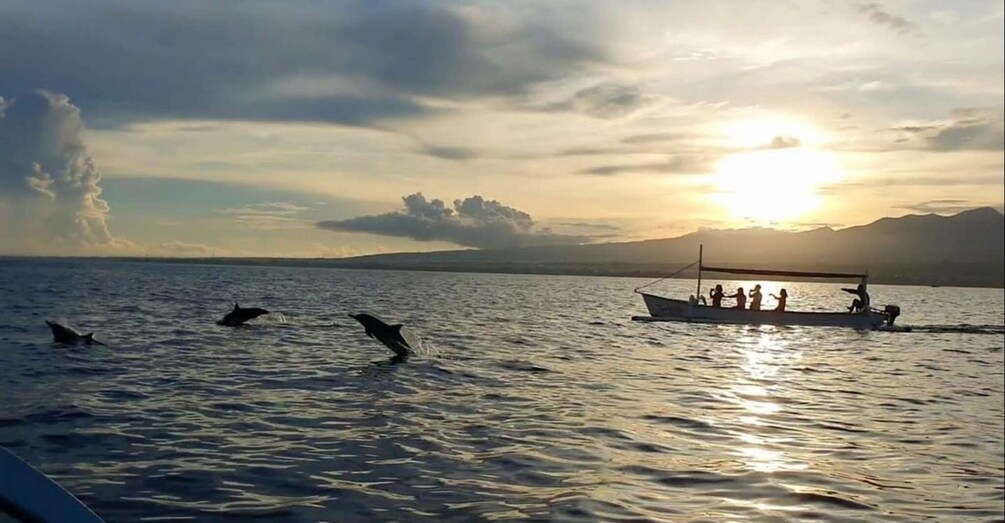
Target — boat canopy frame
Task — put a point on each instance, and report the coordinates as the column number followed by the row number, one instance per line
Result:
column 862, row 277
column 797, row 274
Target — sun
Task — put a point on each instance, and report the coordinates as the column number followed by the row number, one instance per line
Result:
column 777, row 176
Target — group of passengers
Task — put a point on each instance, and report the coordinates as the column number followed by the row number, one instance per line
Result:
column 859, row 305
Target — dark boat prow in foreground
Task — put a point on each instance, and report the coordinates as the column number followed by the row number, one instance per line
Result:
column 29, row 495
column 691, row 311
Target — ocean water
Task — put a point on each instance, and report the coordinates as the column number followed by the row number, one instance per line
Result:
column 533, row 398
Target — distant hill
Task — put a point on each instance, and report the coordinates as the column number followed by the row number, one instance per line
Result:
column 963, row 249
column 966, row 249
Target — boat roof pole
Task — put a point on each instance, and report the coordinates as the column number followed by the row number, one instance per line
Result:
column 700, row 249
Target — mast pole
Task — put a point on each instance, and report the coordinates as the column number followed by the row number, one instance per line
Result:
column 698, row 292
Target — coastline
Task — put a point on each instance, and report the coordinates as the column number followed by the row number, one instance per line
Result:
column 929, row 275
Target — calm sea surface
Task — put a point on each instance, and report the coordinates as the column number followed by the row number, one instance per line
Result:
column 533, row 398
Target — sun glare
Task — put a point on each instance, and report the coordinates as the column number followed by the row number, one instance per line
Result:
column 779, row 181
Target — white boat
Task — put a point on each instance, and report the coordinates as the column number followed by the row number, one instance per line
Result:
column 692, row 310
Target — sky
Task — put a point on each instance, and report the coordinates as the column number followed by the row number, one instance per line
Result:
column 327, row 129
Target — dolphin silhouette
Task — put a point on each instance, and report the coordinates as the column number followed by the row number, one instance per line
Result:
column 238, row 316
column 389, row 335
column 69, row 336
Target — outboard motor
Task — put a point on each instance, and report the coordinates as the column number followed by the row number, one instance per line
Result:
column 892, row 311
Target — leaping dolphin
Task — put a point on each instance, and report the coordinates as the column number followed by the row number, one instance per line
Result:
column 389, row 335
column 69, row 336
column 238, row 316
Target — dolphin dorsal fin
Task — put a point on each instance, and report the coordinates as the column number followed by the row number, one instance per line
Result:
column 396, row 326
column 236, row 306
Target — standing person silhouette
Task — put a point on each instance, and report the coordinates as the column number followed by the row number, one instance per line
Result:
column 716, row 295
column 782, row 297
column 741, row 298
column 755, row 298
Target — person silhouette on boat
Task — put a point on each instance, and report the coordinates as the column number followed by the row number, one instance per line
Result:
column 861, row 302
column 782, row 296
column 716, row 295
column 741, row 298
column 755, row 298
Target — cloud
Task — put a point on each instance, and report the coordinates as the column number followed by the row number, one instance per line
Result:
column 694, row 158
column 783, row 142
column 966, row 129
column 918, row 180
column 644, row 139
column 269, row 216
column 876, row 14
column 679, row 164
column 450, row 153
column 947, row 205
column 352, row 63
column 472, row 222
column 50, row 192
column 185, row 249
column 607, row 101
column 589, row 225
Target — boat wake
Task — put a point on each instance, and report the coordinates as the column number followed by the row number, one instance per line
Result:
column 963, row 328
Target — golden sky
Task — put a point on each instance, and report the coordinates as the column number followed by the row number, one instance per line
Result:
column 297, row 128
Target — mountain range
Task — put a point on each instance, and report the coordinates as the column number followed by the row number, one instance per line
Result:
column 962, row 249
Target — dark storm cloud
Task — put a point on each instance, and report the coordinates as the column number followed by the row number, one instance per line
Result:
column 345, row 62
column 877, row 15
column 472, row 222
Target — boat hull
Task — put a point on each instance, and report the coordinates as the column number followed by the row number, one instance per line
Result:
column 667, row 309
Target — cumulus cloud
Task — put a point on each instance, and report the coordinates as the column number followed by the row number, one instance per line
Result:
column 50, row 192
column 471, row 222
column 877, row 15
